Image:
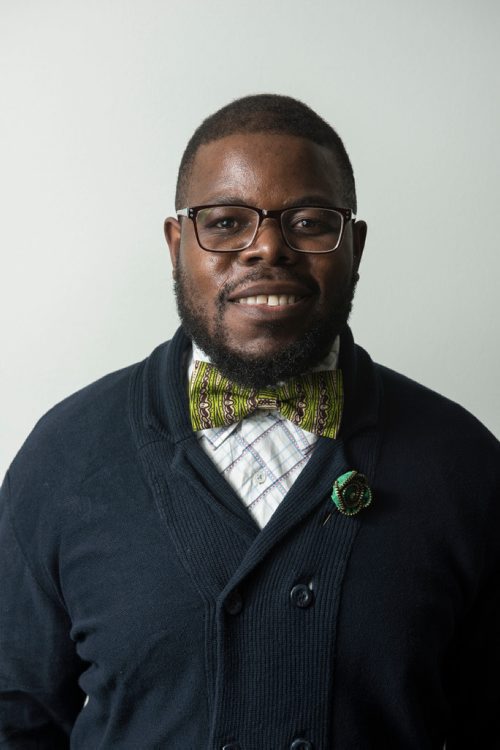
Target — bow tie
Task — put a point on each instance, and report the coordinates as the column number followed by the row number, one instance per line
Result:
column 312, row 401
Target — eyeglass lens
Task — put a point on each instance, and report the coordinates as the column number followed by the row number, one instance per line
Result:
column 230, row 228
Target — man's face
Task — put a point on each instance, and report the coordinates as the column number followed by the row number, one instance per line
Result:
column 223, row 298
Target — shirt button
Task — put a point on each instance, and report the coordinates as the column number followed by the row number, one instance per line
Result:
column 260, row 477
column 232, row 746
column 233, row 606
column 300, row 744
column 301, row 596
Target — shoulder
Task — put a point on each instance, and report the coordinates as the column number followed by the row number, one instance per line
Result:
column 82, row 416
column 424, row 408
column 87, row 429
column 82, row 449
column 427, row 428
column 403, row 404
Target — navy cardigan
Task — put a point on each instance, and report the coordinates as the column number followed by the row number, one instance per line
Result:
column 132, row 574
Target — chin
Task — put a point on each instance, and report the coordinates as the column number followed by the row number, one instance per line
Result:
column 261, row 347
column 265, row 365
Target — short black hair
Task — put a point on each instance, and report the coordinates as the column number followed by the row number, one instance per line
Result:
column 266, row 113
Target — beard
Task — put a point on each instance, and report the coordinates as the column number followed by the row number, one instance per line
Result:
column 259, row 371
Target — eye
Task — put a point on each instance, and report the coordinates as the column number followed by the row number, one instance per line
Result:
column 306, row 223
column 228, row 222
column 224, row 219
column 225, row 225
column 313, row 221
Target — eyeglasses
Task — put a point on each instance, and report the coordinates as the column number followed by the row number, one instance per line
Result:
column 306, row 229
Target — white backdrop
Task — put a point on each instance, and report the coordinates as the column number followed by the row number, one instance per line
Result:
column 98, row 98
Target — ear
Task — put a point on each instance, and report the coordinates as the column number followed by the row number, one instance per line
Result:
column 172, row 229
column 359, row 230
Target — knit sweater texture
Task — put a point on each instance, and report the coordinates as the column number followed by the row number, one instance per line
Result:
column 132, row 574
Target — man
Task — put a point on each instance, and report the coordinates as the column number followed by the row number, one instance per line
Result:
column 297, row 550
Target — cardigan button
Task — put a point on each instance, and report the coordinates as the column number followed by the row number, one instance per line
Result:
column 300, row 744
column 301, row 596
column 233, row 606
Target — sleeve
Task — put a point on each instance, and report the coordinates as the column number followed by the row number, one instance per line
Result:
column 475, row 718
column 39, row 667
column 475, row 660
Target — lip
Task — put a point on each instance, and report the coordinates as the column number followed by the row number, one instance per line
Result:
column 262, row 312
column 269, row 288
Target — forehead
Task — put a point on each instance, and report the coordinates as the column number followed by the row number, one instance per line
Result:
column 263, row 169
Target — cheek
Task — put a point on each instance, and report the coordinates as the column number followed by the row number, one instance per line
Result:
column 334, row 274
column 204, row 273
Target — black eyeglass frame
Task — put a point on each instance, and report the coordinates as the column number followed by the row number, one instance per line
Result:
column 191, row 212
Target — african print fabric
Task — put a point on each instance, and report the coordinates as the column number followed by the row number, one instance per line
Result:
column 312, row 402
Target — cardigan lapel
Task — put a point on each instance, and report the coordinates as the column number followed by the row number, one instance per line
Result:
column 211, row 529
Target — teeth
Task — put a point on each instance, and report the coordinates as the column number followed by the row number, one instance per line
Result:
column 273, row 300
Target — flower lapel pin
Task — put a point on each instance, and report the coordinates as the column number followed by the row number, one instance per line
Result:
column 351, row 493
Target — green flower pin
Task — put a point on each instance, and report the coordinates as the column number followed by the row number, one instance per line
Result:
column 351, row 493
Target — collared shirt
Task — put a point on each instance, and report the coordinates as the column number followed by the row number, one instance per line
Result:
column 260, row 456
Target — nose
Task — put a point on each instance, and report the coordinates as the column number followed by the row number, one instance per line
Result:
column 268, row 246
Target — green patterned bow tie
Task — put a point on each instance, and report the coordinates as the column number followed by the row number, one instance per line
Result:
column 312, row 402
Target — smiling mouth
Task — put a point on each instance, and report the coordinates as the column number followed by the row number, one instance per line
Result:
column 272, row 300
